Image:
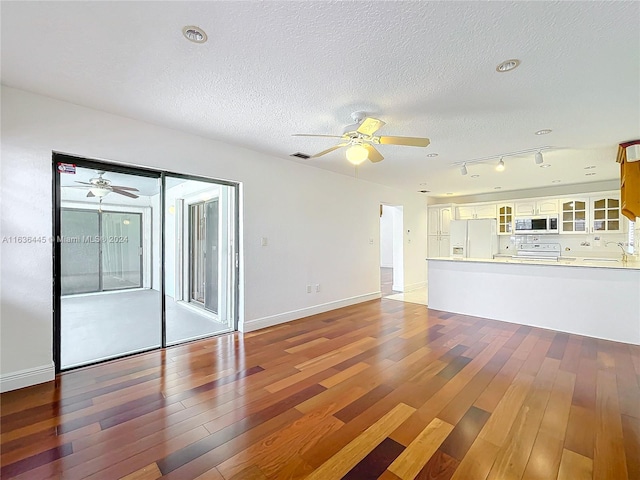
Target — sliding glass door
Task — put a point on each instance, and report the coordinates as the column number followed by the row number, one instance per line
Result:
column 100, row 251
column 199, row 258
column 109, row 237
column 142, row 260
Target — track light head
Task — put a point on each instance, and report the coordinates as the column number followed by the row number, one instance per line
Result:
column 539, row 158
column 463, row 169
column 500, row 166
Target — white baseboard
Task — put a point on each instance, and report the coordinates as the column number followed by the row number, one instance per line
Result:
column 27, row 377
column 272, row 320
column 415, row 286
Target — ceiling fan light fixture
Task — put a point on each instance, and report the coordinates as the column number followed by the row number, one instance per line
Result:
column 500, row 166
column 100, row 191
column 538, row 158
column 356, row 154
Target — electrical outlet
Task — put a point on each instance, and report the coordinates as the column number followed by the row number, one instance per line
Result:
column 317, row 287
column 308, row 288
column 264, row 241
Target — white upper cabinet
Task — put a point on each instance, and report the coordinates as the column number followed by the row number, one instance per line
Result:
column 605, row 214
column 574, row 215
column 543, row 206
column 439, row 219
column 505, row 218
column 470, row 212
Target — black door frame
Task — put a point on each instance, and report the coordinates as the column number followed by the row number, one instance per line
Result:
column 58, row 158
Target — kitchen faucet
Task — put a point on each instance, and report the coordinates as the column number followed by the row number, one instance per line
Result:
column 624, row 252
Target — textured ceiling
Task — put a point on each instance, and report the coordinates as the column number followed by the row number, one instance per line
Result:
column 271, row 69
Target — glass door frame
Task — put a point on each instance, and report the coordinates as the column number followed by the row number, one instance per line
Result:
column 59, row 157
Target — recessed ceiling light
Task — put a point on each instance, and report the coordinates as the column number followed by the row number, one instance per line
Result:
column 590, row 174
column 194, row 34
column 545, row 165
column 544, row 131
column 508, row 65
column 425, row 191
column 497, row 188
column 475, row 176
column 431, row 155
column 449, row 193
column 556, row 181
column 589, row 167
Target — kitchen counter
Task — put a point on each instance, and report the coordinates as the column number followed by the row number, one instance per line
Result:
column 594, row 298
column 562, row 261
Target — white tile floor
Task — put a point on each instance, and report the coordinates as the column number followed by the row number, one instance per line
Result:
column 107, row 325
column 414, row 296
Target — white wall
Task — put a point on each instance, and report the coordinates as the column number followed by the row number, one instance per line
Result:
column 398, row 248
column 313, row 237
column 386, row 237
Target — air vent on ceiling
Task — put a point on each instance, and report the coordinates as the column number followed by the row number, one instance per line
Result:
column 304, row 156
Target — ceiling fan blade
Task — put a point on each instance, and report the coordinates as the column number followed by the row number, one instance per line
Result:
column 369, row 126
column 374, row 155
column 410, row 141
column 314, row 135
column 125, row 188
column 329, row 150
column 90, row 194
column 84, row 183
column 122, row 192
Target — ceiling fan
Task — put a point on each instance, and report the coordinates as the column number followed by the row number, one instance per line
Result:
column 101, row 187
column 360, row 139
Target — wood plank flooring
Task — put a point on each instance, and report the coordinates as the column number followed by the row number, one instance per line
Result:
column 382, row 389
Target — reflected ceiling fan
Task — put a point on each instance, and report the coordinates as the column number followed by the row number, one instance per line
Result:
column 360, row 139
column 101, row 187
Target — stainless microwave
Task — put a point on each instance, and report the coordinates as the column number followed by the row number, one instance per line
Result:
column 536, row 225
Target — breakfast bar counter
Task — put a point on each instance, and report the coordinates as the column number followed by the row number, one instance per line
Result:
column 596, row 298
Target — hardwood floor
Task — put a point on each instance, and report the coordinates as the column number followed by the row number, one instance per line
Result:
column 384, row 389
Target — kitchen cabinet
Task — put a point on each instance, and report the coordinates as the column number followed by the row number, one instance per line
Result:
column 438, row 246
column 542, row 206
column 605, row 214
column 505, row 218
column 574, row 215
column 470, row 212
column 595, row 214
column 439, row 219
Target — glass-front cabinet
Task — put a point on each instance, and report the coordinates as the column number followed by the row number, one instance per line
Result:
column 605, row 214
column 505, row 219
column 573, row 215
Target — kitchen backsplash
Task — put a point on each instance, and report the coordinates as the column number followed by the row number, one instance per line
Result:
column 587, row 245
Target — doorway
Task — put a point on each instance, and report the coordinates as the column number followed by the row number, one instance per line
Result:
column 391, row 250
column 119, row 254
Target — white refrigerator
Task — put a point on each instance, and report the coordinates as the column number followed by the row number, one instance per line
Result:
column 474, row 238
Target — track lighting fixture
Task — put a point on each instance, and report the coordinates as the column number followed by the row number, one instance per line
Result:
column 537, row 152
